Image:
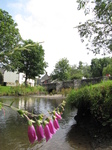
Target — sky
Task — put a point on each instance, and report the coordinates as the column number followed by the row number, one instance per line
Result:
column 51, row 22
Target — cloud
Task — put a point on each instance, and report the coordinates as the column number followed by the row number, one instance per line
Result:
column 52, row 21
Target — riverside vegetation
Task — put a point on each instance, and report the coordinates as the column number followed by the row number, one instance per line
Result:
column 94, row 100
column 21, row 90
column 94, row 115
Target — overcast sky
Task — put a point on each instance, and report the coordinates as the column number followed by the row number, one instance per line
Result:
column 53, row 22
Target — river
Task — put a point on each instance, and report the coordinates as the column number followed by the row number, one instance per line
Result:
column 13, row 128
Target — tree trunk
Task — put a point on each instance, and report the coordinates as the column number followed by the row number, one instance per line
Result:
column 26, row 80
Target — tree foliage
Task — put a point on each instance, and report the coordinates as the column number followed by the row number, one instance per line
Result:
column 61, row 71
column 29, row 60
column 86, row 71
column 9, row 36
column 83, row 70
column 107, row 70
column 80, row 65
column 98, row 29
column 97, row 66
column 75, row 73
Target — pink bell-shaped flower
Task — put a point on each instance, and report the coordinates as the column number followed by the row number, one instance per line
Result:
column 40, row 132
column 55, row 122
column 32, row 133
column 51, row 127
column 58, row 116
column 47, row 132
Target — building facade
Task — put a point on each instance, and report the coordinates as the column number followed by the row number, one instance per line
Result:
column 14, row 79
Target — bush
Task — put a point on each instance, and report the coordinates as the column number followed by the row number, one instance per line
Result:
column 65, row 92
column 95, row 98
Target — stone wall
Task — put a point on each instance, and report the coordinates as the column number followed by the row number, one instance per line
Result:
column 68, row 84
column 77, row 83
column 50, row 86
column 59, row 86
column 74, row 83
column 82, row 82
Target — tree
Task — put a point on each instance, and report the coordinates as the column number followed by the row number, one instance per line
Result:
column 107, row 70
column 9, row 36
column 30, row 60
column 61, row 71
column 83, row 70
column 75, row 73
column 86, row 71
column 97, row 66
column 98, row 29
column 1, row 78
column 80, row 65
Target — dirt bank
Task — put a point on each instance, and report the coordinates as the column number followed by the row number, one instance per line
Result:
column 55, row 96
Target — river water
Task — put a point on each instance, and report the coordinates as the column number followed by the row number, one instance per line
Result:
column 13, row 128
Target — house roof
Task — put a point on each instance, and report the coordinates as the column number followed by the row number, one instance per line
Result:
column 45, row 77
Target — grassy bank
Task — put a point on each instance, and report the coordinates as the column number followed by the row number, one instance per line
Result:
column 20, row 90
column 94, row 100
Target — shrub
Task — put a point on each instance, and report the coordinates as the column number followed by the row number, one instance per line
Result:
column 65, row 92
column 97, row 98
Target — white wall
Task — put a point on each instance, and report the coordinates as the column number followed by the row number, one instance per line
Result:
column 12, row 77
column 21, row 78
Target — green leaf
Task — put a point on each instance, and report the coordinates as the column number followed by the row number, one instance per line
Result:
column 11, row 103
column 21, row 113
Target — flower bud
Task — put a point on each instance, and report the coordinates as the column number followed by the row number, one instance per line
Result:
column 31, row 133
column 51, row 127
column 47, row 132
column 40, row 132
column 56, row 125
column 58, row 116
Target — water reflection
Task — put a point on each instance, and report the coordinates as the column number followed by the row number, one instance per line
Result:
column 78, row 138
column 13, row 128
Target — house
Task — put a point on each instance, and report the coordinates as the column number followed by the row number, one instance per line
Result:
column 108, row 75
column 45, row 79
column 38, row 81
column 14, row 78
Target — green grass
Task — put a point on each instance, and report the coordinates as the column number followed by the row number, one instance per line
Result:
column 21, row 90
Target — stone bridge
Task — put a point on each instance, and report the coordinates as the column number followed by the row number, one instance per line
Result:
column 53, row 86
column 73, row 83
